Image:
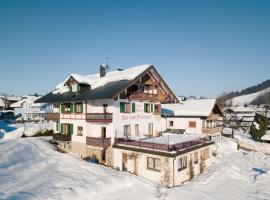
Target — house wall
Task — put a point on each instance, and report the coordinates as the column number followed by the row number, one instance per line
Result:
column 139, row 117
column 168, row 175
column 183, row 123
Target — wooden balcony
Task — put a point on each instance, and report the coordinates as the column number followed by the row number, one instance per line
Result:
column 143, row 96
column 98, row 142
column 213, row 117
column 211, row 130
column 61, row 137
column 52, row 117
column 99, row 117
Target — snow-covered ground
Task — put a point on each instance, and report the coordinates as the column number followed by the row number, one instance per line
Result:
column 242, row 100
column 31, row 169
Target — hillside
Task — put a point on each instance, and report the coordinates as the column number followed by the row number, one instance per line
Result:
column 257, row 94
column 251, row 98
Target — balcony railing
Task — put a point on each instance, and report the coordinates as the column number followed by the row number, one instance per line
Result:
column 100, row 142
column 159, row 146
column 99, row 117
column 52, row 117
column 62, row 137
column 211, row 130
column 143, row 96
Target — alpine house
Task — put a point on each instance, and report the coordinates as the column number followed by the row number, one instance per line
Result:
column 91, row 110
column 114, row 118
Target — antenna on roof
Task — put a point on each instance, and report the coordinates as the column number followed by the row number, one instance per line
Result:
column 107, row 57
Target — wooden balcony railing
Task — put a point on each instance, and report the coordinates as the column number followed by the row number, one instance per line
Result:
column 52, row 117
column 211, row 130
column 143, row 96
column 100, row 142
column 61, row 137
column 99, row 117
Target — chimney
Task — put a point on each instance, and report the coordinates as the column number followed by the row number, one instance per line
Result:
column 103, row 70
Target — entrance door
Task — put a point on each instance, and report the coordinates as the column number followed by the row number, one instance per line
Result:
column 103, row 132
column 124, row 162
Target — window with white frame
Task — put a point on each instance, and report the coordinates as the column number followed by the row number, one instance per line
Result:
column 153, row 163
column 182, row 163
column 79, row 130
column 171, row 123
column 127, row 131
column 137, row 131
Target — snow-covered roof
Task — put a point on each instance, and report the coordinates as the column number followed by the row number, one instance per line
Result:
column 194, row 107
column 95, row 81
column 26, row 99
column 2, row 104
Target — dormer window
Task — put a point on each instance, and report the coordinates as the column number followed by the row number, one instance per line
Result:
column 74, row 88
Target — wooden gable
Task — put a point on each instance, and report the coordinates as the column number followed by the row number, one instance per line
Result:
column 152, row 80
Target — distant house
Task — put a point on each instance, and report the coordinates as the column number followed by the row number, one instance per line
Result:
column 241, row 116
column 6, row 101
column 27, row 109
column 196, row 116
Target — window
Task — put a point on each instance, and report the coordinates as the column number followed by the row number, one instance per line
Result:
column 127, row 130
column 74, row 87
column 192, row 124
column 153, row 163
column 147, row 107
column 66, row 108
column 196, row 157
column 182, row 163
column 78, row 108
column 67, row 128
column 150, row 129
column 137, row 133
column 157, row 109
column 80, row 131
column 171, row 123
column 124, row 107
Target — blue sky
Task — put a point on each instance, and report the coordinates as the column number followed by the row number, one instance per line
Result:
column 200, row 47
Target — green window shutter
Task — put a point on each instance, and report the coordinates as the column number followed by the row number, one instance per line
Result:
column 72, row 108
column 71, row 128
column 81, row 107
column 78, row 88
column 122, row 107
column 62, row 108
column 133, row 107
column 70, row 88
column 145, row 107
column 62, row 128
column 75, row 108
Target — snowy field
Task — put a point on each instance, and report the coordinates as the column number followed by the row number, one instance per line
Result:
column 30, row 168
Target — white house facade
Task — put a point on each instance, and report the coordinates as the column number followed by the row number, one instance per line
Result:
column 197, row 116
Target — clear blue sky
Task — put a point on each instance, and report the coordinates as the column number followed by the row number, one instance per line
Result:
column 199, row 47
